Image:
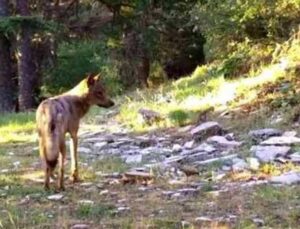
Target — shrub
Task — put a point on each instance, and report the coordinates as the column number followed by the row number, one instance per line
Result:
column 74, row 61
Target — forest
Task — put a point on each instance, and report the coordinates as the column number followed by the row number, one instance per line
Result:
column 203, row 119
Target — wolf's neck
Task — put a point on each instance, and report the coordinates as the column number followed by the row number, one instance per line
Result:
column 82, row 105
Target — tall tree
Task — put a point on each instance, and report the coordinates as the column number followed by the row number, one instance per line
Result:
column 26, row 63
column 6, row 74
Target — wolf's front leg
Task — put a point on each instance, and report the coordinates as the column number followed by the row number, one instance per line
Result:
column 74, row 158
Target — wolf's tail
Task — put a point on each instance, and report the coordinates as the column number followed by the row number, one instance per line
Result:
column 49, row 123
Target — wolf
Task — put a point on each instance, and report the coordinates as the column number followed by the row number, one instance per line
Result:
column 61, row 114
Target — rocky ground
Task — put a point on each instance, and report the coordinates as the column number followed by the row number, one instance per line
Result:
column 198, row 176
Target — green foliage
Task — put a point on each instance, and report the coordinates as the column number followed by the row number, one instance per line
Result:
column 90, row 211
column 12, row 24
column 224, row 22
column 179, row 117
column 75, row 60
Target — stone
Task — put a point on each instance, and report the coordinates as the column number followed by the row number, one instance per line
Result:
column 253, row 163
column 229, row 137
column 282, row 140
column 122, row 209
column 55, row 197
column 80, row 226
column 86, row 184
column 174, row 159
column 206, row 129
column 188, row 192
column 259, row 222
column 205, row 147
column 134, row 159
column 239, row 164
column 104, row 192
column 86, row 202
column 223, row 142
column 209, row 161
column 196, row 157
column 203, row 219
column 292, row 133
column 176, row 148
column 263, row 134
column 189, row 144
column 286, row 178
column 269, row 153
column 84, row 150
column 100, row 145
column 295, row 157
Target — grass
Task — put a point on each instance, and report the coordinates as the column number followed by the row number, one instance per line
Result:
column 19, row 127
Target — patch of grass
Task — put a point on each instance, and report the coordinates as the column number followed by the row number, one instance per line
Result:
column 17, row 127
column 110, row 165
column 179, row 117
column 87, row 211
column 164, row 224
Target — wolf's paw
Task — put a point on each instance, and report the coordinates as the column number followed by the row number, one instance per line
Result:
column 75, row 179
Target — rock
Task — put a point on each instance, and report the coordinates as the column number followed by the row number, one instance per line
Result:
column 287, row 178
column 17, row 164
column 295, row 157
column 290, row 133
column 137, row 177
column 104, row 192
column 281, row 160
column 223, row 142
column 114, row 175
column 282, row 140
column 176, row 182
column 55, row 197
column 189, row 144
column 86, row 184
column 100, row 145
column 206, row 129
column 253, row 163
column 84, row 150
column 188, row 192
column 86, row 202
column 176, row 148
column 263, row 134
column 134, row 159
column 80, row 226
column 259, row 222
column 239, row 164
column 269, row 153
column 173, row 159
column 209, row 161
column 122, row 209
column 196, row 157
column 205, row 147
column 229, row 137
column 203, row 219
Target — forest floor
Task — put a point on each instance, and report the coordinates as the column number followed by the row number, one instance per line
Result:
column 225, row 193
column 164, row 159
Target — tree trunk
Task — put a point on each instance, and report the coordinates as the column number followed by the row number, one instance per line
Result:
column 6, row 76
column 26, row 63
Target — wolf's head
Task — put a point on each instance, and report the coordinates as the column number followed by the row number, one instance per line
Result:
column 96, row 92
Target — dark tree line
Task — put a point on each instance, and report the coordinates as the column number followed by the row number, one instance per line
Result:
column 147, row 31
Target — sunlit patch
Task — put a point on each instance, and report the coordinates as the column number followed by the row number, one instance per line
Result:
column 35, row 176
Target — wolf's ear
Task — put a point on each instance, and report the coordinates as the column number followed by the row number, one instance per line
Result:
column 90, row 80
column 97, row 77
